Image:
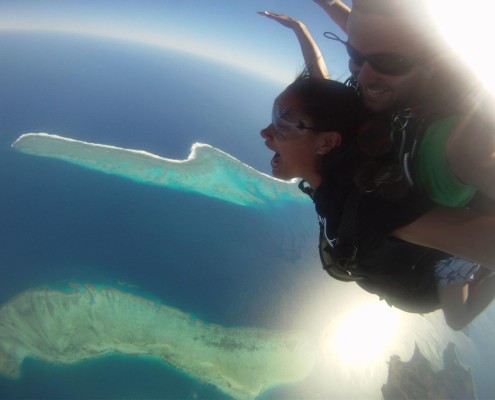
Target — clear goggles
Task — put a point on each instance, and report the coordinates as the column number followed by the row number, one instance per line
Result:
column 288, row 124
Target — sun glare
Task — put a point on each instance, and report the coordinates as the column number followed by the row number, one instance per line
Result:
column 363, row 334
column 469, row 28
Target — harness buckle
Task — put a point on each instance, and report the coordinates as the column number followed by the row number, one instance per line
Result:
column 401, row 119
column 348, row 263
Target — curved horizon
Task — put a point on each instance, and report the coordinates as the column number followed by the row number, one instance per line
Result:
column 161, row 42
column 228, row 32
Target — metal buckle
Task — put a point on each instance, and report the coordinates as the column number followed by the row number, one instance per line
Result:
column 401, row 119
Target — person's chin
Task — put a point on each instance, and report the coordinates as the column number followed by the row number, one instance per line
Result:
column 377, row 106
column 279, row 174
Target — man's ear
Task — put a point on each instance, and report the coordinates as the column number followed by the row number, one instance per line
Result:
column 328, row 141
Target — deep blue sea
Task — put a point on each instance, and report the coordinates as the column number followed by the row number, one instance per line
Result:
column 224, row 264
column 61, row 224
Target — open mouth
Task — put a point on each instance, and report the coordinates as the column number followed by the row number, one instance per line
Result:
column 275, row 160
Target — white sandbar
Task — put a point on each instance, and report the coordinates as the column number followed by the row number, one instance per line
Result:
column 207, row 170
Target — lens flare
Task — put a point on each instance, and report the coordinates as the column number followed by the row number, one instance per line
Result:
column 363, row 334
column 469, row 29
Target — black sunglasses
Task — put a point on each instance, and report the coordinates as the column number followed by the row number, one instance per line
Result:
column 387, row 64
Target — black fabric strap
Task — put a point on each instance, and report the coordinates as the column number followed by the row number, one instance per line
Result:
column 348, row 228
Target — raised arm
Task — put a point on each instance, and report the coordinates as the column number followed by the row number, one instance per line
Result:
column 337, row 11
column 311, row 53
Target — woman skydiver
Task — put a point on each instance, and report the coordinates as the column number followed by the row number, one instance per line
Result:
column 314, row 133
column 429, row 278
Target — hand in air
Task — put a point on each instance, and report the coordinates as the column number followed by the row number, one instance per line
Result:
column 282, row 19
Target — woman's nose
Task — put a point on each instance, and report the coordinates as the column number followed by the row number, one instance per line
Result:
column 267, row 133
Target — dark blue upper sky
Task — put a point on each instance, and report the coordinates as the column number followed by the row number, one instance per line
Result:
column 223, row 29
column 230, row 30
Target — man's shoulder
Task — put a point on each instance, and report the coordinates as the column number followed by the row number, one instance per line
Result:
column 434, row 174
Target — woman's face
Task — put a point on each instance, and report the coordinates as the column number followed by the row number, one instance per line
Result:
column 295, row 146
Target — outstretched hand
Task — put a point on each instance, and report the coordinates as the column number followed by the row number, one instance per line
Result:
column 325, row 2
column 284, row 20
column 311, row 53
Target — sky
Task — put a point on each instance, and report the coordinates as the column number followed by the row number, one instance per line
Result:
column 229, row 30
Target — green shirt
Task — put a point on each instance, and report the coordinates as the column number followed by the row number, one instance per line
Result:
column 434, row 175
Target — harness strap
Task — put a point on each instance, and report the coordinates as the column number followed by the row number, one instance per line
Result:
column 348, row 228
column 340, row 256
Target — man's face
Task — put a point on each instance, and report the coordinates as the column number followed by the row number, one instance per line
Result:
column 376, row 34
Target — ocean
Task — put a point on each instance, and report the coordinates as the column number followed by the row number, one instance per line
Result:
column 63, row 226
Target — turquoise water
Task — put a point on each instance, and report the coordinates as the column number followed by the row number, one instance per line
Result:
column 62, row 224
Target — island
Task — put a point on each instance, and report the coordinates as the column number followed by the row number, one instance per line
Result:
column 72, row 326
column 207, row 171
column 416, row 378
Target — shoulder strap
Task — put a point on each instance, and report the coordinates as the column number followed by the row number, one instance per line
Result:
column 339, row 258
column 411, row 125
column 348, row 228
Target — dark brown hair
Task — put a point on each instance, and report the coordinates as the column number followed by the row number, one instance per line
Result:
column 331, row 105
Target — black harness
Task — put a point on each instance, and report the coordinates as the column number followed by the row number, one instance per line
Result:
column 356, row 218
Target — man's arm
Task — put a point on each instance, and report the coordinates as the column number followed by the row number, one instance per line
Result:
column 470, row 151
column 461, row 232
column 310, row 50
column 337, row 11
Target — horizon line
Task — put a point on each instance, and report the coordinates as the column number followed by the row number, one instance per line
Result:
column 159, row 42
